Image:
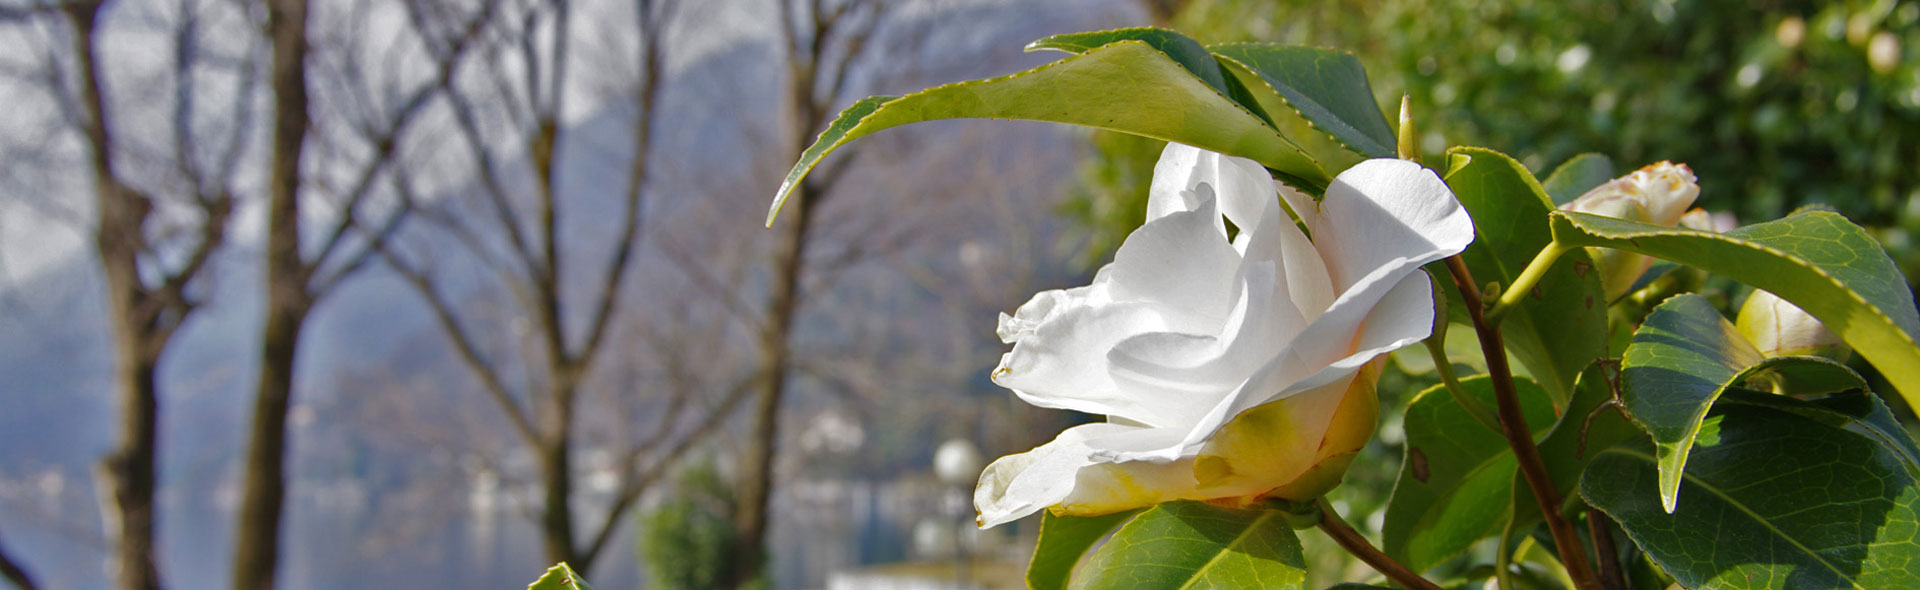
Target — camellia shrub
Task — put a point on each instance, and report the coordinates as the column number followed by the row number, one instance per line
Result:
column 1622, row 426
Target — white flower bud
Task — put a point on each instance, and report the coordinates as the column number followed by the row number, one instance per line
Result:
column 1658, row 194
column 1779, row 328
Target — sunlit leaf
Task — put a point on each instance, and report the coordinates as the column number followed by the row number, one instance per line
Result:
column 1560, row 327
column 1125, row 86
column 1810, row 497
column 1063, row 539
column 1815, row 259
column 560, row 577
column 1328, row 88
column 1197, row 546
column 1190, row 54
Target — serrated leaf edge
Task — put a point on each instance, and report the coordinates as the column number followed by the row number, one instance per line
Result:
column 853, row 132
column 1255, row 74
column 1575, row 220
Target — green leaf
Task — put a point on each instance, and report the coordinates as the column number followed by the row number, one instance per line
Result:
column 1801, row 375
column 1063, row 539
column 1126, row 86
column 1576, row 176
column 1860, row 412
column 1681, row 359
column 1814, row 259
column 1561, row 327
column 1328, row 88
column 560, row 577
column 1190, row 54
column 1195, row 546
column 1455, row 476
column 1781, row 499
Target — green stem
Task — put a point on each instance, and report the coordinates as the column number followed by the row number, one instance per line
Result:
column 1438, row 350
column 1503, row 560
column 1523, row 284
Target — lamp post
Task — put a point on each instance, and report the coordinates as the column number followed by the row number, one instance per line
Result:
column 957, row 463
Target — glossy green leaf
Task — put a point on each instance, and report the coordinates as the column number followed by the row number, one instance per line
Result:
column 1807, row 498
column 1681, row 359
column 1859, row 412
column 1576, row 176
column 1063, row 539
column 1589, row 425
column 1328, row 88
column 1196, row 546
column 1190, row 54
column 1456, row 476
column 1126, row 86
column 1815, row 259
column 560, row 577
column 1559, row 328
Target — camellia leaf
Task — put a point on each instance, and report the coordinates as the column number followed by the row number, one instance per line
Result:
column 560, row 577
column 1125, row 86
column 1195, row 546
column 1788, row 494
column 1328, row 88
column 1576, row 176
column 1190, row 54
column 1558, row 329
column 1456, row 475
column 1683, row 357
column 1063, row 539
column 1814, row 259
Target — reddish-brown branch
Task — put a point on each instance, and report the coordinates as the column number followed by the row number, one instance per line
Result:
column 1514, row 427
column 1354, row 543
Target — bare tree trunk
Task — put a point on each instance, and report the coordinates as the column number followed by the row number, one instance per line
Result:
column 130, row 470
column 556, row 511
column 756, row 498
column 257, row 542
column 14, row 572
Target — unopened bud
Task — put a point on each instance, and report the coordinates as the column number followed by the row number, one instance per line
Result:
column 1779, row 328
column 1658, row 194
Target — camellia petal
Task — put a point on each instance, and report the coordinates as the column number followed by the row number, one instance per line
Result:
column 1180, row 262
column 1068, row 475
column 1384, row 213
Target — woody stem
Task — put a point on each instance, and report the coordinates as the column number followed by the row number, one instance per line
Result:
column 1514, row 427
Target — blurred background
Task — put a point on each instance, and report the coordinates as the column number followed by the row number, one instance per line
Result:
column 502, row 297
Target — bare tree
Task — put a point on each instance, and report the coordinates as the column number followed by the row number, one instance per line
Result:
column 298, row 277
column 512, row 221
column 821, row 41
column 156, row 226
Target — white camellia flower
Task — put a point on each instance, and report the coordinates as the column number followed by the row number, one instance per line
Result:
column 1659, row 194
column 1230, row 370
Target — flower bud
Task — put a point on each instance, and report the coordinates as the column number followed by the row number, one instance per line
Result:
column 1658, row 194
column 1779, row 328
